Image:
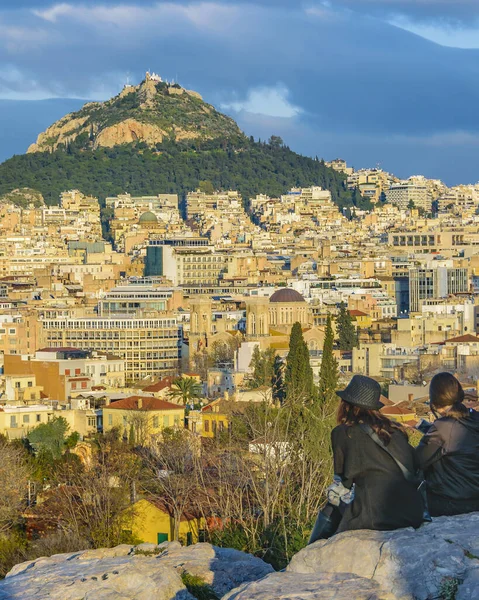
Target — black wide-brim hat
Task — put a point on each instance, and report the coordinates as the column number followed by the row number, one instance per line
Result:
column 363, row 392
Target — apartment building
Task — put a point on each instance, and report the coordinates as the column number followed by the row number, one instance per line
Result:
column 138, row 300
column 436, row 280
column 17, row 420
column 65, row 372
column 405, row 195
column 149, row 346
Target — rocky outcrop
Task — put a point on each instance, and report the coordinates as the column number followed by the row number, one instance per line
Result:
column 145, row 572
column 61, row 132
column 148, row 113
column 407, row 564
column 440, row 560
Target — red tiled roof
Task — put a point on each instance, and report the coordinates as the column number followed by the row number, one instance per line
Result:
column 358, row 313
column 463, row 338
column 147, row 403
column 159, row 385
column 65, row 349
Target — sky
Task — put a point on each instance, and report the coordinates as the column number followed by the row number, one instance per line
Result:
column 392, row 83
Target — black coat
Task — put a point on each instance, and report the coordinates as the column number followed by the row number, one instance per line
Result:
column 449, row 456
column 384, row 500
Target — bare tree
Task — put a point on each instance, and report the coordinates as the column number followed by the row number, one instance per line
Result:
column 170, row 476
column 14, row 474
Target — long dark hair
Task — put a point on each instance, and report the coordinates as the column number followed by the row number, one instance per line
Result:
column 350, row 415
column 445, row 391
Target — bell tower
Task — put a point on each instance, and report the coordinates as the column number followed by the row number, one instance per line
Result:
column 200, row 323
column 257, row 317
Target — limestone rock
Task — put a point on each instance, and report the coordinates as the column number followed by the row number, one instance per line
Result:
column 221, row 568
column 289, row 586
column 407, row 564
column 74, row 577
column 120, row 574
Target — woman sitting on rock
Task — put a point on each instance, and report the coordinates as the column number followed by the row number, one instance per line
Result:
column 449, row 452
column 367, row 447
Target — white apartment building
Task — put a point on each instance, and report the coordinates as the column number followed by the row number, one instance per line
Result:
column 405, row 194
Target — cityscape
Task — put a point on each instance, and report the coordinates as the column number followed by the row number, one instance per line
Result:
column 229, row 287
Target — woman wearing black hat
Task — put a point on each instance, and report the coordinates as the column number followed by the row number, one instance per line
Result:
column 374, row 454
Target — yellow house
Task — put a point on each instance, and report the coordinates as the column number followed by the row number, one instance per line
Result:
column 362, row 319
column 144, row 415
column 150, row 522
column 399, row 414
column 17, row 421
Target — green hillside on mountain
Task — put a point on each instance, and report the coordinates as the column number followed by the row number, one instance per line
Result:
column 160, row 138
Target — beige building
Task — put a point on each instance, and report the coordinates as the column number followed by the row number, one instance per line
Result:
column 405, row 195
column 146, row 416
column 149, row 346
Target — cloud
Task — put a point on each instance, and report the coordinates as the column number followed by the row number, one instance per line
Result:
column 454, row 11
column 271, row 101
column 334, row 81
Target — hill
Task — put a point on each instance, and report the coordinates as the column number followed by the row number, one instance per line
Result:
column 158, row 138
column 150, row 112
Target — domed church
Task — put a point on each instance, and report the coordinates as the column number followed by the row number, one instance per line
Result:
column 278, row 313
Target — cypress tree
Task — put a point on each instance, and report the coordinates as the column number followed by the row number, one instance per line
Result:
column 277, row 382
column 347, row 334
column 328, row 374
column 298, row 379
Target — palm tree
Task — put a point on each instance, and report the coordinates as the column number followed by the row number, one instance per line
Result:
column 186, row 389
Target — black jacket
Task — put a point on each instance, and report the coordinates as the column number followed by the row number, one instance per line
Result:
column 449, row 456
column 384, row 500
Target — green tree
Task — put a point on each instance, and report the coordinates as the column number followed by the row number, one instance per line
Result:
column 347, row 333
column 206, row 187
column 51, row 438
column 411, row 204
column 298, row 378
column 328, row 374
column 262, row 364
column 186, row 389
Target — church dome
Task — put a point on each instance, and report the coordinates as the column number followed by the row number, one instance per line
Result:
column 148, row 217
column 286, row 295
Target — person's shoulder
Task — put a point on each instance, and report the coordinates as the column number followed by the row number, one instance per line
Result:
column 340, row 431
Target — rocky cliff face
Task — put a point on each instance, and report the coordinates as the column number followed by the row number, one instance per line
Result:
column 149, row 112
column 439, row 561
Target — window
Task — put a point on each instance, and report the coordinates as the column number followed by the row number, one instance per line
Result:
column 74, row 385
column 39, row 418
column 110, row 419
column 30, row 384
column 17, row 385
column 77, row 371
column 26, row 418
column 166, row 420
column 207, row 425
column 13, row 420
column 83, row 385
column 156, row 422
column 67, row 372
column 177, row 420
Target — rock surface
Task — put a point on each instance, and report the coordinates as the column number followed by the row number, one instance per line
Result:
column 440, row 560
column 407, row 564
column 144, row 572
column 289, row 586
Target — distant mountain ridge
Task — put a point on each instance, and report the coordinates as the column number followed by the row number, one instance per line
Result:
column 150, row 112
